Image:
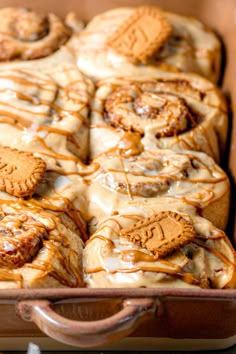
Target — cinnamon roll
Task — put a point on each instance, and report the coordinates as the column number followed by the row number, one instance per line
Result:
column 44, row 108
column 158, row 247
column 144, row 41
column 25, row 34
column 38, row 248
column 129, row 175
column 41, row 223
column 172, row 111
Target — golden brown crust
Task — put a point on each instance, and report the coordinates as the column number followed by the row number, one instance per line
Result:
column 142, row 34
column 26, row 35
column 20, row 172
column 161, row 233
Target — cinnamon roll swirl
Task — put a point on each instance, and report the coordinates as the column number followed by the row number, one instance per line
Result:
column 143, row 41
column 25, row 34
column 38, row 248
column 158, row 247
column 172, row 111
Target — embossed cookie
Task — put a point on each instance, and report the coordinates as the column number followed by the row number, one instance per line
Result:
column 20, row 172
column 142, row 34
column 161, row 234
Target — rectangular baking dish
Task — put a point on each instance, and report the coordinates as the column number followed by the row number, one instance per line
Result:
column 153, row 319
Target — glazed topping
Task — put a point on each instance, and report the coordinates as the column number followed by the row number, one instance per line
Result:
column 142, row 34
column 163, row 248
column 28, row 35
column 43, row 110
column 155, row 173
column 20, row 238
column 130, row 145
column 161, row 234
column 135, row 108
column 20, row 172
column 35, row 238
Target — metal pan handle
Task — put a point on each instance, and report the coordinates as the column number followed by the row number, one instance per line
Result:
column 87, row 333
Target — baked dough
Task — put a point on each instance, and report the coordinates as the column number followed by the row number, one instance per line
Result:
column 113, row 261
column 25, row 34
column 44, row 108
column 191, row 47
column 128, row 177
column 172, row 111
column 38, row 248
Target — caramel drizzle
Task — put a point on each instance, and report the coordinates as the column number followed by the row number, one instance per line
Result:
column 52, row 153
column 186, row 141
column 136, row 256
column 37, row 102
column 208, row 192
column 128, row 189
column 69, row 210
column 37, row 205
column 25, row 123
column 26, row 82
column 72, row 272
column 71, row 277
column 172, row 176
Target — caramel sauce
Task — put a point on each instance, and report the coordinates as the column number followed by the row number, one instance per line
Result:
column 10, row 122
column 27, row 82
column 70, row 275
column 102, row 226
column 22, row 121
column 169, row 176
column 128, row 189
column 135, row 256
column 174, row 270
column 68, row 210
column 132, row 217
column 109, row 242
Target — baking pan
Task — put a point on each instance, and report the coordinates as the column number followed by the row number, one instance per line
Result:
column 174, row 318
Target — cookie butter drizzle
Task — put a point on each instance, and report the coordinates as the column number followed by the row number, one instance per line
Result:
column 47, row 85
column 134, row 256
column 54, row 112
column 130, row 147
column 52, row 239
column 41, row 204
